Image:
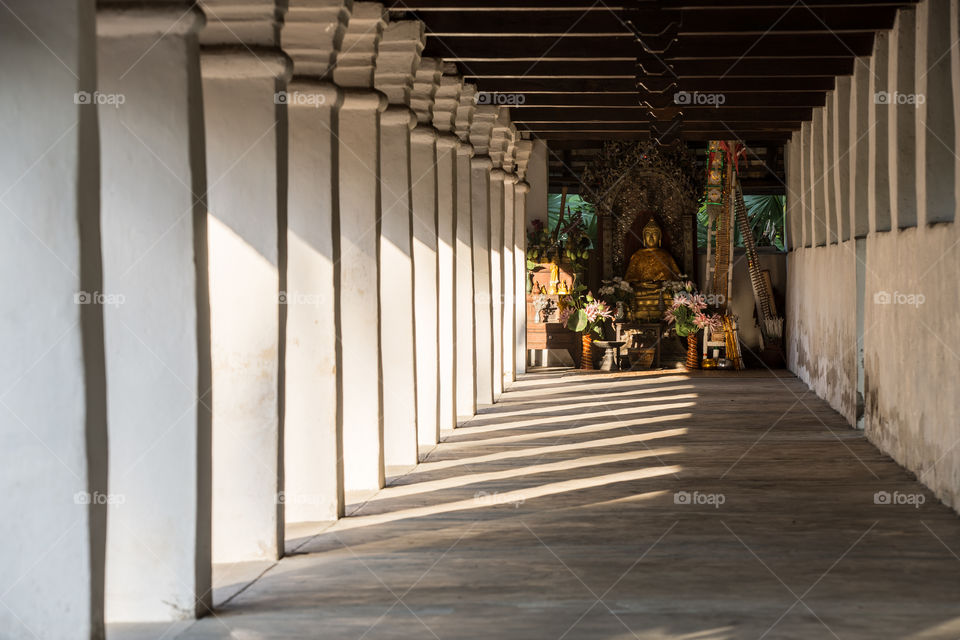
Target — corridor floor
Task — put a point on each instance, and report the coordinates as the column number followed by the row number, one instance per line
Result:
column 632, row 506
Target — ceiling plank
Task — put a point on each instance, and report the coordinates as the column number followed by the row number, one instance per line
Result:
column 592, row 47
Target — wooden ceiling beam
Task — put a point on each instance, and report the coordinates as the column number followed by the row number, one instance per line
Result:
column 798, row 20
column 628, row 85
column 732, row 47
column 638, row 114
column 602, row 101
column 745, row 67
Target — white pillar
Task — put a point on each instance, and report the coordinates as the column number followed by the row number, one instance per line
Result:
column 466, row 346
column 312, row 466
column 396, row 289
column 936, row 155
column 509, row 281
column 52, row 384
column 466, row 318
column 520, row 268
column 397, row 59
column 446, row 103
column 901, row 123
column 480, row 168
column 154, row 229
column 446, row 272
column 246, row 160
column 878, row 154
column 483, row 309
column 359, row 188
column 423, row 186
column 497, row 177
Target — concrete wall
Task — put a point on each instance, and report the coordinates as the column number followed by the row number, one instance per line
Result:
column 879, row 261
column 538, row 177
column 742, row 302
column 821, row 323
column 911, row 357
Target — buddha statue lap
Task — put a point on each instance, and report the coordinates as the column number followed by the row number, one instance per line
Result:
column 649, row 267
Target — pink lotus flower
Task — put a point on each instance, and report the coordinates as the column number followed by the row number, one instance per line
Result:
column 597, row 310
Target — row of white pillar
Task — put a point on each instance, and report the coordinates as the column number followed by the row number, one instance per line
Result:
column 255, row 258
column 881, row 154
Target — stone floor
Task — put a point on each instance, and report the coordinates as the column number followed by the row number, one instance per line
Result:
column 631, row 506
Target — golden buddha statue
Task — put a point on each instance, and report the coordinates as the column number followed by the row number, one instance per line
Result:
column 649, row 267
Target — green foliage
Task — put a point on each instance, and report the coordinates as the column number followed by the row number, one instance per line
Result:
column 575, row 204
column 765, row 215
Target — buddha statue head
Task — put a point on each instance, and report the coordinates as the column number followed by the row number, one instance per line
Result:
column 652, row 235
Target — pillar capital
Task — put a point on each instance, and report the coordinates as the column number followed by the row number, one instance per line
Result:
column 242, row 22
column 500, row 135
column 447, row 100
column 425, row 83
column 167, row 20
column 398, row 57
column 466, row 107
column 522, row 151
column 423, row 134
column 358, row 52
column 497, row 174
column 522, row 187
column 511, row 178
column 464, row 148
column 361, row 100
column 447, row 141
column 481, row 162
column 217, row 62
column 482, row 127
column 321, row 93
column 312, row 34
column 396, row 115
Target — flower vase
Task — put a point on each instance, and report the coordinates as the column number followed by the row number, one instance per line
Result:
column 693, row 358
column 586, row 355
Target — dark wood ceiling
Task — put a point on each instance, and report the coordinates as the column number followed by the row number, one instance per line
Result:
column 588, row 71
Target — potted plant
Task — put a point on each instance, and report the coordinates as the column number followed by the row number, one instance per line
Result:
column 687, row 316
column 586, row 315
